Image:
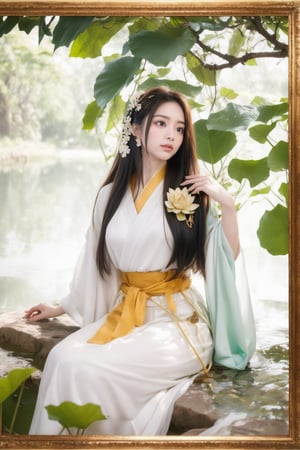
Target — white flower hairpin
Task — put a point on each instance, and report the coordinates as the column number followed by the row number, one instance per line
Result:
column 133, row 105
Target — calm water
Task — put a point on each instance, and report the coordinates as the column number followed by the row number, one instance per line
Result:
column 45, row 210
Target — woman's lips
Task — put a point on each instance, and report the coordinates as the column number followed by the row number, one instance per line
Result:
column 167, row 146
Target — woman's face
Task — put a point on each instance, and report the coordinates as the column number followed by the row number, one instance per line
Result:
column 165, row 134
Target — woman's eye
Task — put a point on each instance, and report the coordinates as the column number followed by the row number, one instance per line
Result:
column 160, row 123
column 180, row 130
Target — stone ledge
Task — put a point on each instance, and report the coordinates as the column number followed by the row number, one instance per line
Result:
column 34, row 338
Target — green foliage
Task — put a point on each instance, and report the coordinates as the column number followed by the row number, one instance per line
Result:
column 115, row 76
column 212, row 145
column 90, row 42
column 176, row 85
column 91, row 115
column 205, row 76
column 273, row 230
column 173, row 41
column 261, row 132
column 8, row 385
column 70, row 415
column 278, row 158
column 253, row 170
column 12, row 381
column 232, row 118
column 188, row 54
column 68, row 28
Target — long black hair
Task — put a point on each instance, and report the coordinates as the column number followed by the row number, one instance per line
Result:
column 188, row 250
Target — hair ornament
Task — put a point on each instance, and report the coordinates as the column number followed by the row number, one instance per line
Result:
column 133, row 105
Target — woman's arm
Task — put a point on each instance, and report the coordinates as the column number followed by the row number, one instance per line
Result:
column 41, row 311
column 211, row 187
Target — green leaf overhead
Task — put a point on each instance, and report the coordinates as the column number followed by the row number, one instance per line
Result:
column 268, row 112
column 236, row 42
column 68, row 28
column 253, row 170
column 200, row 24
column 212, row 145
column 273, row 230
column 28, row 23
column 71, row 415
column 261, row 132
column 91, row 114
column 176, row 85
column 89, row 43
column 278, row 158
column 204, row 75
column 284, row 191
column 233, row 117
column 161, row 46
column 115, row 76
column 116, row 112
column 8, row 23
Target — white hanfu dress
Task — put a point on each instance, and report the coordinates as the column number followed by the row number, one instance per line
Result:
column 136, row 378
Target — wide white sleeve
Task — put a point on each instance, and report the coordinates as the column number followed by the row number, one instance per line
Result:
column 90, row 296
column 228, row 300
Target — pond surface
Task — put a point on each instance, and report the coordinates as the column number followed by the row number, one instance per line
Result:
column 45, row 210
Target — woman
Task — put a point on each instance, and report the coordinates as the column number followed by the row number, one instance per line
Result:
column 145, row 331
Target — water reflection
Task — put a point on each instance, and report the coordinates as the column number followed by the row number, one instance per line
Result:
column 45, row 210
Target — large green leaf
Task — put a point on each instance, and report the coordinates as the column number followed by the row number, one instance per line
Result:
column 278, row 158
column 260, row 133
column 268, row 112
column 254, row 170
column 273, row 230
column 28, row 23
column 161, row 46
column 212, row 145
column 228, row 93
column 175, row 85
column 68, row 28
column 233, row 118
column 236, row 42
column 262, row 191
column 204, row 75
column 14, row 379
column 8, row 23
column 44, row 29
column 91, row 115
column 200, row 24
column 145, row 23
column 89, row 43
column 71, row 415
column 115, row 75
column 116, row 112
column 284, row 191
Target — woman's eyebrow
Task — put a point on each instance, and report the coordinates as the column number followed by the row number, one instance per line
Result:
column 167, row 117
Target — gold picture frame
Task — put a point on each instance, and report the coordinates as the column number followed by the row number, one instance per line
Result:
column 291, row 9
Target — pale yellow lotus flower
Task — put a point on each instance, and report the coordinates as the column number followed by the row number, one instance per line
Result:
column 180, row 202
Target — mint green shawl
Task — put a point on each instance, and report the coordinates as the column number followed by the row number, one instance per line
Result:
column 228, row 300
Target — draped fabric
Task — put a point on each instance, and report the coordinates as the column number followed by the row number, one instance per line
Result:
column 137, row 288
column 137, row 378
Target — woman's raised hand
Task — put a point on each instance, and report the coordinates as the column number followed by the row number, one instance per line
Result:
column 206, row 183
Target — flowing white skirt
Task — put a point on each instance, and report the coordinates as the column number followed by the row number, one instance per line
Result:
column 135, row 379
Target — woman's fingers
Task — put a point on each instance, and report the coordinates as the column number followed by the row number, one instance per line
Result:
column 35, row 313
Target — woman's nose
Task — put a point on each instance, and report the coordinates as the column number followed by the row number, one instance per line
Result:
column 170, row 134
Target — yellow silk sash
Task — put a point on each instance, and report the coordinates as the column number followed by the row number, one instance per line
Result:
column 137, row 287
